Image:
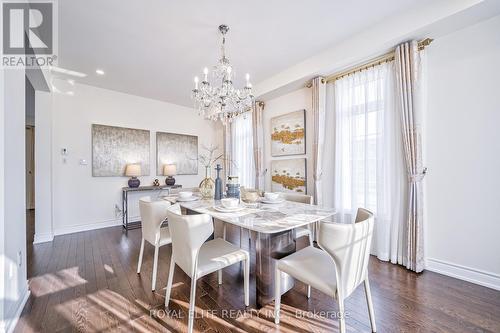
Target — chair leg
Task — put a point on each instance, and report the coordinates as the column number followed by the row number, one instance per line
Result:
column 246, row 280
column 341, row 315
column 155, row 268
column 315, row 228
column 277, row 295
column 192, row 298
column 241, row 237
column 308, row 291
column 139, row 263
column 368, row 294
column 169, row 282
column 219, row 273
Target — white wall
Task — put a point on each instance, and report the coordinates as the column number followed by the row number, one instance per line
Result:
column 2, row 202
column 81, row 201
column 294, row 101
column 43, row 167
column 13, row 280
column 463, row 154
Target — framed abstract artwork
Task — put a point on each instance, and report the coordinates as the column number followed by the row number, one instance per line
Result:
column 289, row 175
column 178, row 149
column 115, row 147
column 288, row 134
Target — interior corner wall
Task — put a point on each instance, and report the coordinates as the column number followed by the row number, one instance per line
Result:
column 83, row 202
column 294, row 101
column 462, row 144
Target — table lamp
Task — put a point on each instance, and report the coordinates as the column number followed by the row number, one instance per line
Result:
column 169, row 170
column 134, row 171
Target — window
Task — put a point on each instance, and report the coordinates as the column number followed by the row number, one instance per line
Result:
column 367, row 164
column 242, row 150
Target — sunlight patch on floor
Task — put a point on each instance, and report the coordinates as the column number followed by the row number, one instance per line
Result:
column 56, row 282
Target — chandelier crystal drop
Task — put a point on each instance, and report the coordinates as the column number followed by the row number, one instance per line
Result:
column 215, row 97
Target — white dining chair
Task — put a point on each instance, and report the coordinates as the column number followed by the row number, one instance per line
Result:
column 339, row 269
column 302, row 198
column 195, row 190
column 196, row 257
column 153, row 214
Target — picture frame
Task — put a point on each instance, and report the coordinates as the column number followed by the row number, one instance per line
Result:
column 114, row 147
column 288, row 134
column 178, row 149
column 289, row 175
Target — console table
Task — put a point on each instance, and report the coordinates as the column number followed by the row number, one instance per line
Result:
column 125, row 192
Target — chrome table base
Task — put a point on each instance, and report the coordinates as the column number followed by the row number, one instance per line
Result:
column 270, row 248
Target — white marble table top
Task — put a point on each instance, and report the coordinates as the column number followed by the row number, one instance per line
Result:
column 260, row 217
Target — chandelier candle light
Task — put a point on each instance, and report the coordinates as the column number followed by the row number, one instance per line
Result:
column 217, row 98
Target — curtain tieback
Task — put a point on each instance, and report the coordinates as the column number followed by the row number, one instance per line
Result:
column 417, row 177
column 262, row 174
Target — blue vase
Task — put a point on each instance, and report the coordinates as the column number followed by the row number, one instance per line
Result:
column 218, row 184
column 134, row 182
column 233, row 191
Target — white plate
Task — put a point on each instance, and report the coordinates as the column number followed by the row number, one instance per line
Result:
column 193, row 198
column 272, row 201
column 228, row 210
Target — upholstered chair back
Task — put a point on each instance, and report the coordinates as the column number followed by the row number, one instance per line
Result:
column 153, row 213
column 349, row 247
column 188, row 233
column 295, row 197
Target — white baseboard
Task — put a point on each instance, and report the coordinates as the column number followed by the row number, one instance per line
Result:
column 92, row 226
column 483, row 278
column 10, row 323
column 43, row 238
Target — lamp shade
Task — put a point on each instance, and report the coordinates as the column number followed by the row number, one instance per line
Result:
column 169, row 170
column 133, row 170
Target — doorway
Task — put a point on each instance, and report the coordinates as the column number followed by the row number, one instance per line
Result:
column 30, row 167
column 30, row 162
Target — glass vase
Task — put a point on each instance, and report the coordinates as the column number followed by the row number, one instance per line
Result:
column 207, row 185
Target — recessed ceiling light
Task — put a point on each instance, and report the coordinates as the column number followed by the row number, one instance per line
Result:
column 72, row 82
column 99, row 71
column 70, row 93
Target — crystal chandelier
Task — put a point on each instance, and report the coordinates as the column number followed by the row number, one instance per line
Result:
column 216, row 98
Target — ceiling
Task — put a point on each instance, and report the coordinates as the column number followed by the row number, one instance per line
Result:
column 155, row 48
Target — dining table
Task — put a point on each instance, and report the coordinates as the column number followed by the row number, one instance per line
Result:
column 275, row 226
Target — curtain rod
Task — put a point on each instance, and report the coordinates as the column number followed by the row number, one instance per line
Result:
column 388, row 57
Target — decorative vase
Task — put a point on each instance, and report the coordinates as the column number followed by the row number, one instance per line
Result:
column 233, row 187
column 218, row 184
column 170, row 181
column 207, row 185
column 134, row 182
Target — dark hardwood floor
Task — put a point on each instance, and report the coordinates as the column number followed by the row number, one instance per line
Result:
column 87, row 282
column 30, row 235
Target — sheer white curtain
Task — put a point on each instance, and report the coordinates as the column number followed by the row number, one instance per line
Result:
column 242, row 152
column 368, row 159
